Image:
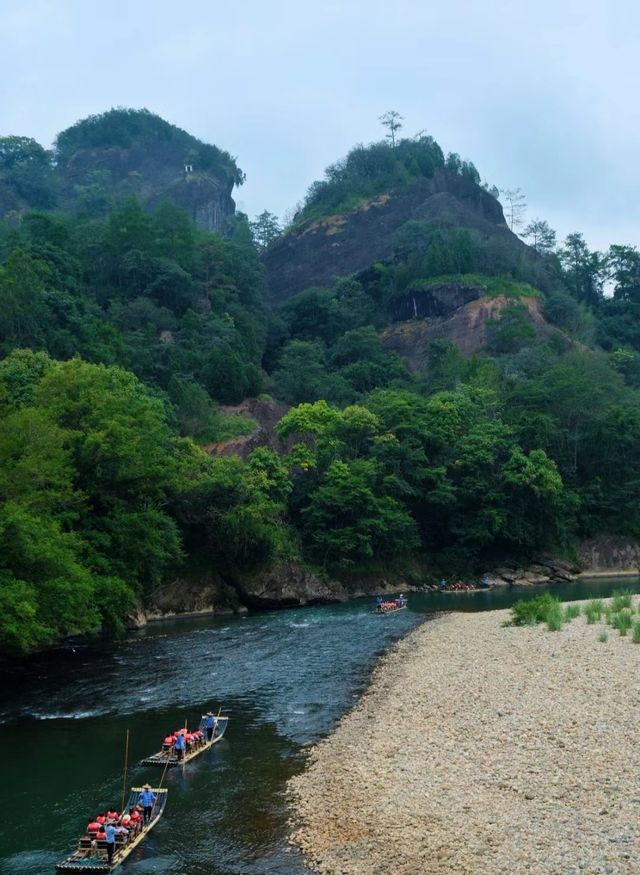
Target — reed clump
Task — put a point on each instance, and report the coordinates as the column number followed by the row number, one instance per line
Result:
column 622, row 620
column 593, row 611
column 528, row 612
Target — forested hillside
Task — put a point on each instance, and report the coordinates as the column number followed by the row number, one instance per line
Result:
column 457, row 397
column 102, row 160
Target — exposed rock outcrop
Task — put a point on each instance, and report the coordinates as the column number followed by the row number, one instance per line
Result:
column 316, row 253
column 289, row 585
column 610, row 553
column 205, row 592
column 466, row 326
column 266, row 412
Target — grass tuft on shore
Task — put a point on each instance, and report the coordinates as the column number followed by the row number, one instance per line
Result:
column 571, row 611
column 603, row 637
column 555, row 619
column 593, row 611
column 528, row 612
column 622, row 598
column 622, row 620
column 636, row 632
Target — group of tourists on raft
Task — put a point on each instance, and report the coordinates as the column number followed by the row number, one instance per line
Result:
column 107, row 826
column 182, row 741
column 383, row 607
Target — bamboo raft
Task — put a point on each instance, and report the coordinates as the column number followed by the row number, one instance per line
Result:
column 399, row 605
column 167, row 757
column 89, row 858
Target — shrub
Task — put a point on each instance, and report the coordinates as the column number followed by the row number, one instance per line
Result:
column 593, row 611
column 622, row 598
column 636, row 632
column 571, row 612
column 554, row 618
column 528, row 612
column 603, row 636
column 622, row 621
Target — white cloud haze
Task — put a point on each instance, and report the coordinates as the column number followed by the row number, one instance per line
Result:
column 542, row 97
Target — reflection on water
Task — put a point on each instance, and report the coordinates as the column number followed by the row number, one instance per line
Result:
column 284, row 677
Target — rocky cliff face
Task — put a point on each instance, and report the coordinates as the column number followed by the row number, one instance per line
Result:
column 464, row 324
column 153, row 172
column 316, row 253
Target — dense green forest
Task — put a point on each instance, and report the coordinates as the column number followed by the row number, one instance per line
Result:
column 122, row 333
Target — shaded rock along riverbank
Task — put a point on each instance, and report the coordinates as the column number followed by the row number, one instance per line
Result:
column 482, row 749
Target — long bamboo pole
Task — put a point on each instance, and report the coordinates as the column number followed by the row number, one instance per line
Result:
column 124, row 779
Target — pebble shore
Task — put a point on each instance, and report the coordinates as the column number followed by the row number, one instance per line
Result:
column 482, row 749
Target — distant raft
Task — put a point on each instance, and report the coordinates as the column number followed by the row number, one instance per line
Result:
column 196, row 744
column 391, row 607
column 91, row 853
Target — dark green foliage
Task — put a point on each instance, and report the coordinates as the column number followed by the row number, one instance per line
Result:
column 122, row 329
column 511, row 331
column 369, row 170
column 124, row 127
column 528, row 612
column 148, row 291
column 26, row 173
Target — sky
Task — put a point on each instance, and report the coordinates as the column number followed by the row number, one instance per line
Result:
column 542, row 96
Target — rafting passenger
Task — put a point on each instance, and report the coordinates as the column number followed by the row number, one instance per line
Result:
column 179, row 745
column 147, row 799
column 136, row 819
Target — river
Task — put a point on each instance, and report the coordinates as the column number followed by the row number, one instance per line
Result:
column 283, row 677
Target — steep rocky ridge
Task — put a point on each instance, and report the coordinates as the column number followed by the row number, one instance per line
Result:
column 317, row 252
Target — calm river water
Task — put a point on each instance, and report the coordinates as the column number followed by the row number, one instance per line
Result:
column 284, row 678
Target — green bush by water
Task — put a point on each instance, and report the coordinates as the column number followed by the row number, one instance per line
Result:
column 622, row 598
column 528, row 612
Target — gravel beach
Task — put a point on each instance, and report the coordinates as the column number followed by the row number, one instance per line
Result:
column 480, row 748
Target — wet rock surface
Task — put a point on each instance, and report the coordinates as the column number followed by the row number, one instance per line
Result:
column 482, row 749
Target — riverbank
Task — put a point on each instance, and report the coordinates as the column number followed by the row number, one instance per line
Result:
column 482, row 749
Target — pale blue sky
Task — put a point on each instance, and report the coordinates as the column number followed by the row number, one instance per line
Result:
column 542, row 96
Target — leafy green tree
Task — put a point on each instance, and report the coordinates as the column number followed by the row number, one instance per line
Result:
column 265, row 229
column 624, row 269
column 347, row 523
column 540, row 236
column 583, row 271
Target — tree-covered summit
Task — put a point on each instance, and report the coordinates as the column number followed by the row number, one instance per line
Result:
column 370, row 170
column 122, row 127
